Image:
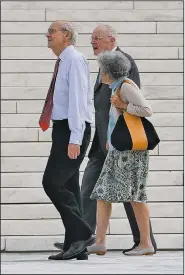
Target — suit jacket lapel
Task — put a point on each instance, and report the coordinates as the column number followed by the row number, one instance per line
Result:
column 117, row 49
column 97, row 84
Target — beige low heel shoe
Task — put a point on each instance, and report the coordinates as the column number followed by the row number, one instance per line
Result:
column 141, row 252
column 97, row 249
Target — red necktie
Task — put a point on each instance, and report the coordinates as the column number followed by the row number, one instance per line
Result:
column 45, row 117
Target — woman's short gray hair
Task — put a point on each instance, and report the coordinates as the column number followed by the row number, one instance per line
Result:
column 70, row 28
column 114, row 63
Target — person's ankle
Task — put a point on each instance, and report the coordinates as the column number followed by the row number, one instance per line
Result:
column 100, row 242
column 145, row 244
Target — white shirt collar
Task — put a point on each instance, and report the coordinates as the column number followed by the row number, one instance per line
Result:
column 114, row 48
column 65, row 52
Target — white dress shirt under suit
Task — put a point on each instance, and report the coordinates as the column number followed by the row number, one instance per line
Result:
column 72, row 97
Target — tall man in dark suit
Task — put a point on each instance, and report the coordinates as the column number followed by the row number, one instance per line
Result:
column 104, row 38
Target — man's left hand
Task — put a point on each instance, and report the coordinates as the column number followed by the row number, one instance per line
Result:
column 73, row 151
column 118, row 103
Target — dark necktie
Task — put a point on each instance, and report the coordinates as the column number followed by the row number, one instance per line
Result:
column 45, row 117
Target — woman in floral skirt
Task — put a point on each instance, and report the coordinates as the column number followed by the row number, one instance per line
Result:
column 124, row 174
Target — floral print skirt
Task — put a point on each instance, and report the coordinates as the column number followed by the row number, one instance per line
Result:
column 123, row 177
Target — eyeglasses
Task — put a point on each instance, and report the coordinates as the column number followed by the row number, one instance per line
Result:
column 97, row 38
column 52, row 31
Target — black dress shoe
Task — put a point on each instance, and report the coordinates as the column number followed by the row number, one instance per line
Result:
column 135, row 245
column 81, row 256
column 77, row 247
column 59, row 245
column 59, row 256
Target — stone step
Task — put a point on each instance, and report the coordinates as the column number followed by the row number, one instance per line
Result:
column 45, row 243
column 55, row 226
column 48, row 211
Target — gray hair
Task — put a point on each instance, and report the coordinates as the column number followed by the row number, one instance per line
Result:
column 110, row 30
column 114, row 63
column 70, row 28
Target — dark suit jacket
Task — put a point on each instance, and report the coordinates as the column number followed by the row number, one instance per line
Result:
column 102, row 94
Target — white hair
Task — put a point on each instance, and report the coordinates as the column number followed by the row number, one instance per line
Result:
column 70, row 28
column 110, row 30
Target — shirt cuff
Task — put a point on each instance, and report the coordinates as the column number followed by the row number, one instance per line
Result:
column 75, row 138
column 129, row 108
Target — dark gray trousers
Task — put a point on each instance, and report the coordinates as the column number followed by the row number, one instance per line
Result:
column 89, row 180
column 61, row 182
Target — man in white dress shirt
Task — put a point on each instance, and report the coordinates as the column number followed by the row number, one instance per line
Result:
column 71, row 115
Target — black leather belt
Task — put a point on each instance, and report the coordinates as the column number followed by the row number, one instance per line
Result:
column 66, row 120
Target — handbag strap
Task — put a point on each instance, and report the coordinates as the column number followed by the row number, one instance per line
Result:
column 119, row 88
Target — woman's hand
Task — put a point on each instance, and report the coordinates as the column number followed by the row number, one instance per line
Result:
column 118, row 103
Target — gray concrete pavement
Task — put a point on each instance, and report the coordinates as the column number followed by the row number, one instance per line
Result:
column 114, row 262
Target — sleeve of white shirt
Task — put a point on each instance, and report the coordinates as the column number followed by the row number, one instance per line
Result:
column 78, row 89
